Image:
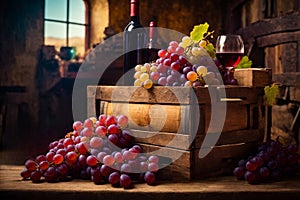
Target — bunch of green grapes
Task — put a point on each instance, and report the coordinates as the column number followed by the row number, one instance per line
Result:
column 145, row 75
column 196, row 51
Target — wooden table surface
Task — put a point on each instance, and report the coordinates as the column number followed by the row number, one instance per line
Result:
column 13, row 187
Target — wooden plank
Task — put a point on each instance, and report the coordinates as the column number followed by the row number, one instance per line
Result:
column 278, row 38
column 289, row 22
column 176, row 156
column 247, row 94
column 157, row 94
column 236, row 117
column 287, row 78
column 295, row 94
column 257, row 77
column 232, row 137
column 175, row 140
column 221, row 159
column 224, row 187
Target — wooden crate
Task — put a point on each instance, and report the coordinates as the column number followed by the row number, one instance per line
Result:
column 163, row 118
column 256, row 77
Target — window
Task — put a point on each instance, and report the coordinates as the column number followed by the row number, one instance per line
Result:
column 65, row 24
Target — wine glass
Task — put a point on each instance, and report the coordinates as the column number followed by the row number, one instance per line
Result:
column 229, row 52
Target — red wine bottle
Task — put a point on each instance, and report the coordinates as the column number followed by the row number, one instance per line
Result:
column 135, row 39
column 152, row 47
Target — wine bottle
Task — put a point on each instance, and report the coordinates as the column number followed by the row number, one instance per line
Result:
column 152, row 47
column 135, row 39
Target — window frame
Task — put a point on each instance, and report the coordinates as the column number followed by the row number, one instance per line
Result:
column 67, row 22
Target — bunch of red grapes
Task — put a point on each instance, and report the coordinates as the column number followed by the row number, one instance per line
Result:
column 99, row 150
column 273, row 162
column 173, row 68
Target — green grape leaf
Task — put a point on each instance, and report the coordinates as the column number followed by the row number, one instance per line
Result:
column 271, row 93
column 245, row 63
column 211, row 50
column 199, row 31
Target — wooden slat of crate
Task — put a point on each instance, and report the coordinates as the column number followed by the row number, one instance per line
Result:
column 183, row 141
column 220, row 159
column 257, row 77
column 173, row 95
column 236, row 117
column 175, row 140
column 175, row 156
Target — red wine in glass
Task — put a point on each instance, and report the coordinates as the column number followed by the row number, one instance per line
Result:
column 229, row 59
column 229, row 52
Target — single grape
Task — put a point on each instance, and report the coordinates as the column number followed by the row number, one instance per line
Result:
column 125, row 181
column 31, row 165
column 153, row 167
column 35, row 176
column 110, row 120
column 174, row 57
column 167, row 62
column 87, row 132
column 58, row 159
column 179, row 50
column 25, row 173
column 202, row 43
column 162, row 81
column 77, row 126
column 137, row 75
column 171, row 49
column 91, row 160
column 101, row 131
column 113, row 129
column 153, row 68
column 251, row 166
column 192, row 76
column 114, row 178
column 108, row 160
column 81, row 147
column 122, row 121
column 138, row 82
column 239, row 172
column 49, row 156
column 44, row 165
column 175, row 66
column 144, row 77
column 137, row 68
column 264, row 172
column 102, row 119
column 105, row 170
column 118, row 157
column 62, row 152
column 250, row 177
column 149, row 178
column 113, row 138
column 201, row 70
column 82, row 159
column 126, row 168
column 148, row 84
column 173, row 43
column 161, row 53
column 71, row 156
column 88, row 123
column 153, row 159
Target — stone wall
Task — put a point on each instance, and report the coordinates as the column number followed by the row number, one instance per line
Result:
column 21, row 37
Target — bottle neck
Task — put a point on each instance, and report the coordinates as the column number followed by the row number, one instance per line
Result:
column 151, row 34
column 134, row 8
